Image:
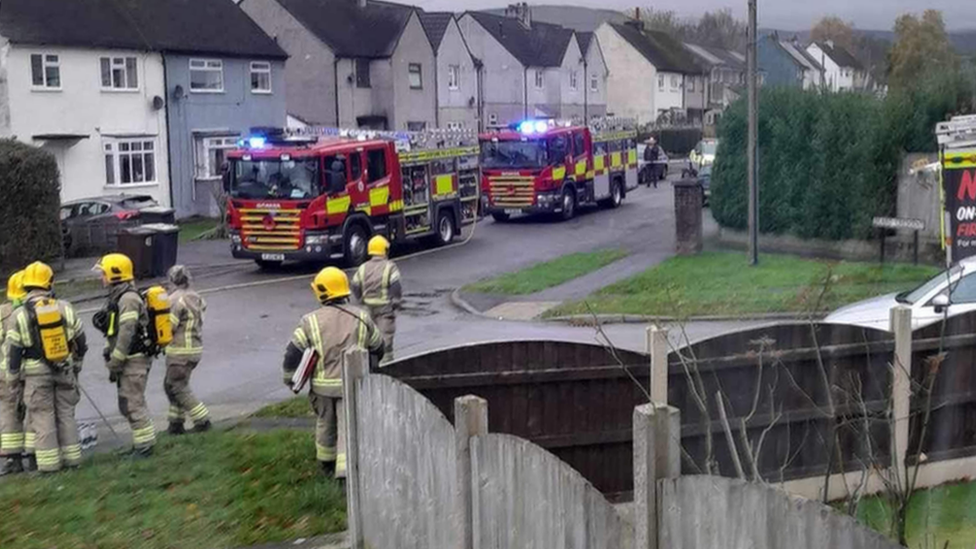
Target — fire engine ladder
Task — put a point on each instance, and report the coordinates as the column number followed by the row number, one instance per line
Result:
column 608, row 133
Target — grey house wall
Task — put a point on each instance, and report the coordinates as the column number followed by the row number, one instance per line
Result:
column 460, row 105
column 596, row 102
column 412, row 105
column 503, row 76
column 198, row 115
column 777, row 65
column 310, row 71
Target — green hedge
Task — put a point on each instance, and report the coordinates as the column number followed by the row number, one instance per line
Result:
column 828, row 163
column 30, row 189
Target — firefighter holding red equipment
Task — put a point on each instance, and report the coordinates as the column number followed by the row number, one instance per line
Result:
column 49, row 346
column 377, row 286
column 330, row 331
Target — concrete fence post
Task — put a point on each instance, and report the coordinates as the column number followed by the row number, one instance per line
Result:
column 668, row 441
column 470, row 419
column 657, row 347
column 901, row 386
column 657, row 456
column 355, row 368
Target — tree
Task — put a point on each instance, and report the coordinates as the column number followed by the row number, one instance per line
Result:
column 718, row 29
column 921, row 47
column 834, row 29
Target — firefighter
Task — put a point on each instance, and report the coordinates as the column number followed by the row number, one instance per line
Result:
column 183, row 354
column 330, row 330
column 124, row 320
column 377, row 286
column 11, row 387
column 48, row 345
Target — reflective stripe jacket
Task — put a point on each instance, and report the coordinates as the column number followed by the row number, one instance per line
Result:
column 331, row 331
column 7, row 320
column 128, row 325
column 21, row 336
column 186, row 313
column 377, row 285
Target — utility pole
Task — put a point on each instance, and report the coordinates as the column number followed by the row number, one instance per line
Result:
column 751, row 148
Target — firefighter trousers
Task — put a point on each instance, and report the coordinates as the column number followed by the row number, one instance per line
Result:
column 12, row 412
column 182, row 401
column 330, row 431
column 385, row 321
column 51, row 400
column 132, row 401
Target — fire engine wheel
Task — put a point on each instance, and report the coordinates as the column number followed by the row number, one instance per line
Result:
column 445, row 227
column 354, row 245
column 616, row 195
column 569, row 204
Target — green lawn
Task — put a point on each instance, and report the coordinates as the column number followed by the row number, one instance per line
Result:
column 293, row 407
column 720, row 283
column 547, row 274
column 946, row 513
column 193, row 229
column 216, row 490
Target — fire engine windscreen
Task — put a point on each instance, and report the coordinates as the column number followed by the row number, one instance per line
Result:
column 529, row 154
column 274, row 178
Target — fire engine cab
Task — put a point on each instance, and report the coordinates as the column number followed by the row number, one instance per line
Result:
column 316, row 194
column 544, row 167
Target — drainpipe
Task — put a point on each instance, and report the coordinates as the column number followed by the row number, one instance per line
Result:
column 525, row 93
column 586, row 92
column 169, row 138
column 335, row 74
column 479, row 68
column 437, row 93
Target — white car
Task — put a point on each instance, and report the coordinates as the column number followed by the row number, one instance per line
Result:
column 950, row 293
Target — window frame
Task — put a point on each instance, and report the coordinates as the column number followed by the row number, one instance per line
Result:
column 45, row 64
column 573, row 80
column 540, row 80
column 113, row 149
column 260, row 71
column 420, row 75
column 360, row 70
column 124, row 67
column 691, row 85
column 370, row 153
column 454, row 77
column 207, row 69
column 660, row 82
column 675, row 83
column 594, row 83
column 202, row 147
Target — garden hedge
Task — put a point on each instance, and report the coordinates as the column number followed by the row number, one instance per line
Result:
column 30, row 189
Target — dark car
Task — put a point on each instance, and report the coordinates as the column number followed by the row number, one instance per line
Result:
column 92, row 225
column 705, row 178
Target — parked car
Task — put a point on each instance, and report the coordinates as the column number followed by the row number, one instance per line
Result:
column 705, row 178
column 92, row 225
column 951, row 293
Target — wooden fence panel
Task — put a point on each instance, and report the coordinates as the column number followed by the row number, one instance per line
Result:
column 524, row 496
column 408, row 468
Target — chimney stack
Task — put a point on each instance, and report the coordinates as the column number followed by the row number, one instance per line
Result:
column 830, row 44
column 520, row 12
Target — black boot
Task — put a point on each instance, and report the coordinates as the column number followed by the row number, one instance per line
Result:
column 328, row 468
column 142, row 453
column 176, row 428
column 11, row 465
column 202, row 427
column 29, row 463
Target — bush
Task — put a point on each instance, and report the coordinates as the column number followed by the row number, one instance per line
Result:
column 30, row 229
column 828, row 163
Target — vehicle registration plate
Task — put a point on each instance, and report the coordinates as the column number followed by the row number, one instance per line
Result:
column 272, row 257
column 513, row 212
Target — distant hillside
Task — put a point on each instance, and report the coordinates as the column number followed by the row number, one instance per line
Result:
column 573, row 17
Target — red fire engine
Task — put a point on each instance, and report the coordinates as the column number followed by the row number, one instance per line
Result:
column 541, row 166
column 320, row 193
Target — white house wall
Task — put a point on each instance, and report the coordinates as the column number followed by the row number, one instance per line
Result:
column 596, row 101
column 632, row 80
column 413, row 105
column 503, row 76
column 82, row 107
column 457, row 106
column 671, row 94
column 572, row 100
column 837, row 78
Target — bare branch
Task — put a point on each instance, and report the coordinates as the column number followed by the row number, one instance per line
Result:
column 728, row 436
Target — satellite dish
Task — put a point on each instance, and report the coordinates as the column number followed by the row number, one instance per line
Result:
column 158, row 103
column 178, row 92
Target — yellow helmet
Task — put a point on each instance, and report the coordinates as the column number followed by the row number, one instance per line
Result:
column 378, row 245
column 38, row 275
column 115, row 268
column 331, row 283
column 15, row 287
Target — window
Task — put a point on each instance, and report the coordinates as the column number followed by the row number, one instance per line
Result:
column 119, row 73
column 416, row 126
column 376, row 165
column 45, row 71
column 335, row 174
column 674, row 82
column 130, row 162
column 453, row 77
column 455, row 125
column 206, row 75
column 660, row 82
column 540, row 82
column 558, row 149
column 963, row 291
column 573, row 80
column 579, row 147
column 260, row 77
column 362, row 73
column 594, row 83
column 492, row 119
column 416, row 76
column 356, row 165
column 691, row 84
column 211, row 155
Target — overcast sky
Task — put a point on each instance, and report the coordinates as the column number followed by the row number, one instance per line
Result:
column 782, row 14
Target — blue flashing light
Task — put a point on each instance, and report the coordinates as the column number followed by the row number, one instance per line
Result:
column 256, row 142
column 541, row 126
column 527, row 127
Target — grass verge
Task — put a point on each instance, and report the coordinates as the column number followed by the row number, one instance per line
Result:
column 195, row 228
column 293, row 407
column 935, row 516
column 216, row 490
column 720, row 283
column 546, row 274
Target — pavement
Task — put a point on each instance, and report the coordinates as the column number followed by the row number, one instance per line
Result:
column 251, row 313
